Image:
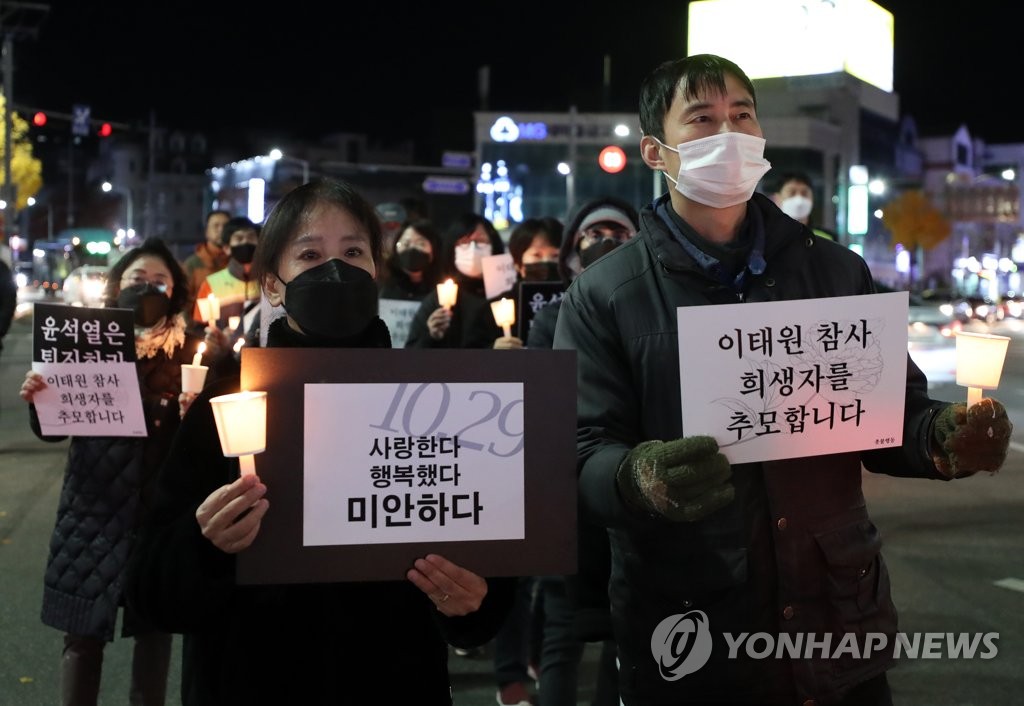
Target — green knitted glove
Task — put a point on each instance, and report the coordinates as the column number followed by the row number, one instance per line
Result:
column 971, row 440
column 683, row 480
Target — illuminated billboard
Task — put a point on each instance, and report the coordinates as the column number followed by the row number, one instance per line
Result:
column 771, row 38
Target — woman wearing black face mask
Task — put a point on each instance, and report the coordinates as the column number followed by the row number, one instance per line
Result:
column 245, row 644
column 533, row 246
column 412, row 269
column 108, row 484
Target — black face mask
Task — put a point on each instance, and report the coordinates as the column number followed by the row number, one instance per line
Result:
column 413, row 260
column 590, row 255
column 148, row 302
column 243, row 253
column 541, row 272
column 332, row 300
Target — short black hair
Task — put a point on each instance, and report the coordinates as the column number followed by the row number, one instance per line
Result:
column 234, row 225
column 694, row 76
column 523, row 235
column 792, row 175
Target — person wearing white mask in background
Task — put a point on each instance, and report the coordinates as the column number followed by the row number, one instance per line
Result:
column 700, row 549
column 470, row 322
column 795, row 196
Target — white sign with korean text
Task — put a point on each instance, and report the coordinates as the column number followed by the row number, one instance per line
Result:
column 89, row 399
column 796, row 378
column 398, row 315
column 412, row 462
column 499, row 274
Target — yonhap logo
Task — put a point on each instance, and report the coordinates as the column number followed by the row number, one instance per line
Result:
column 681, row 644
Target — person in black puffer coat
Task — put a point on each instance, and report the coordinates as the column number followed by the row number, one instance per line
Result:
column 107, row 484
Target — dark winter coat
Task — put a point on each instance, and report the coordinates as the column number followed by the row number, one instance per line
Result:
column 795, row 551
column 106, row 491
column 472, row 323
column 285, row 644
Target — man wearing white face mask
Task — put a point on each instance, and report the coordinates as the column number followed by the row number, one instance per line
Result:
column 795, row 196
column 700, row 548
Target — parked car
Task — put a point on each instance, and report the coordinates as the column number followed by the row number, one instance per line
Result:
column 984, row 308
column 932, row 320
column 84, row 285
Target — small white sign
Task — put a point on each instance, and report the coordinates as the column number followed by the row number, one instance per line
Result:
column 398, row 315
column 89, row 399
column 499, row 274
column 795, row 378
column 389, row 463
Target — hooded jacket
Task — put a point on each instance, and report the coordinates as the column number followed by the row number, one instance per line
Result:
column 795, row 552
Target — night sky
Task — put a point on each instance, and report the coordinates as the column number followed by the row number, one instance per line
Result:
column 400, row 71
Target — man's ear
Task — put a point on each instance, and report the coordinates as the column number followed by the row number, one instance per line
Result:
column 273, row 288
column 650, row 152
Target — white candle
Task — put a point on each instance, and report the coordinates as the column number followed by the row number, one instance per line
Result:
column 197, row 359
column 214, row 305
column 242, row 426
column 447, row 292
column 979, row 362
column 233, row 322
column 504, row 311
column 238, row 345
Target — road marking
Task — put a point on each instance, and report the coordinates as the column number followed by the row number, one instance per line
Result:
column 1012, row 584
column 1017, row 447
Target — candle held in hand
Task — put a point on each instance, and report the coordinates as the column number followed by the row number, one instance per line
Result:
column 504, row 311
column 447, row 293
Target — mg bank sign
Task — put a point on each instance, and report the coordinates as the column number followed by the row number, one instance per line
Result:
column 505, row 129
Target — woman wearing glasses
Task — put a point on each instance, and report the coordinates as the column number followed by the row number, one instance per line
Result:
column 107, row 484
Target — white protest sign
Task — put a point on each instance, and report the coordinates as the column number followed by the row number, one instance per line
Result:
column 499, row 274
column 89, row 399
column 795, row 378
column 398, row 315
column 418, row 462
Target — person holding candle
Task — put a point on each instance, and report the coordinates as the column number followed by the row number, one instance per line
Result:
column 316, row 259
column 784, row 547
column 534, row 246
column 233, row 289
column 470, row 322
column 108, row 488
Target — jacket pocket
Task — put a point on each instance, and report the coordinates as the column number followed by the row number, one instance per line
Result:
column 853, row 570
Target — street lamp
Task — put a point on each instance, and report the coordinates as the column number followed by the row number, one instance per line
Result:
column 127, row 193
column 277, row 155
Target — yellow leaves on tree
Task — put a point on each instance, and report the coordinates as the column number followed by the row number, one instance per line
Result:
column 26, row 170
column 914, row 222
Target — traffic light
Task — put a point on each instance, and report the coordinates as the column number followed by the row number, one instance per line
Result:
column 105, row 130
column 39, row 119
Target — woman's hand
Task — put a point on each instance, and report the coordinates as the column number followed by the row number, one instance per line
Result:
column 185, row 400
column 33, row 383
column 508, row 343
column 218, row 344
column 230, row 516
column 438, row 323
column 454, row 590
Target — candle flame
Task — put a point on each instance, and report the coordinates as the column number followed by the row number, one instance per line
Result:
column 201, row 349
column 238, row 345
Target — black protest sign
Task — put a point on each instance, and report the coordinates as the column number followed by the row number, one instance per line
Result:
column 74, row 334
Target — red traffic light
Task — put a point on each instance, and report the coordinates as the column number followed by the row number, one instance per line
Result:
column 39, row 119
column 612, row 159
column 105, row 130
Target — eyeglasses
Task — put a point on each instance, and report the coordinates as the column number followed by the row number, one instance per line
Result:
column 138, row 281
column 599, row 232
